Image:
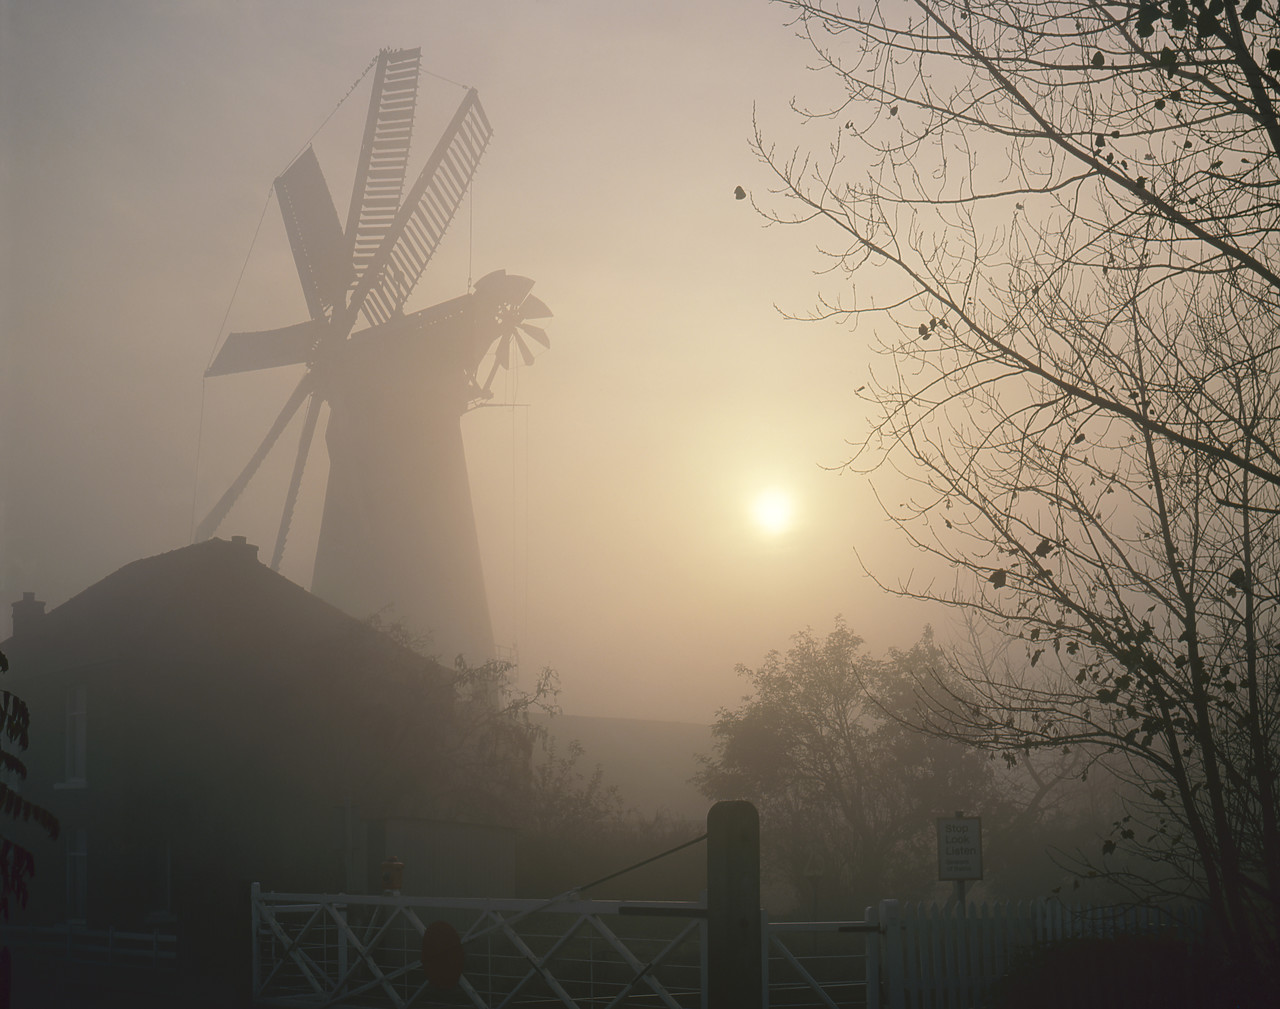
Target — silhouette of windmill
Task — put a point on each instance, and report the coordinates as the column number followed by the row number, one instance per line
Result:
column 397, row 527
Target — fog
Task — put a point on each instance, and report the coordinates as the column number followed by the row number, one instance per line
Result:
column 615, row 480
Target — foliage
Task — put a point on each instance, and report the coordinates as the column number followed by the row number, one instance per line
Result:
column 17, row 864
column 494, row 761
column 1077, row 201
column 847, row 792
column 577, row 829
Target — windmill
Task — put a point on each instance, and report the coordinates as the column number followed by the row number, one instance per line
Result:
column 397, row 526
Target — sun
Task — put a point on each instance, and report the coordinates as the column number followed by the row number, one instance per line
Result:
column 773, row 511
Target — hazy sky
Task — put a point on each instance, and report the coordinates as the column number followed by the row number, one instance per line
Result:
column 138, row 145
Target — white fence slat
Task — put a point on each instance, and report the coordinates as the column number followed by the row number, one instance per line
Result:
column 871, row 953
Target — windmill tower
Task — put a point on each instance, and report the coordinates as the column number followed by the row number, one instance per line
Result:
column 397, row 527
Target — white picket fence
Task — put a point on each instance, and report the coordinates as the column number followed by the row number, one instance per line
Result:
column 949, row 957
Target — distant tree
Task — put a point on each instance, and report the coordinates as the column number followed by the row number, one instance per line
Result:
column 847, row 792
column 17, row 863
column 1070, row 213
column 494, row 760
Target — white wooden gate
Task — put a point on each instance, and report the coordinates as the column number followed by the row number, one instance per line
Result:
column 328, row 950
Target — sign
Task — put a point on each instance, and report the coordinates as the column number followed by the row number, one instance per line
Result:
column 442, row 955
column 959, row 847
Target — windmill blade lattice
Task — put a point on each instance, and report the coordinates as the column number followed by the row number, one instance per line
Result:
column 384, row 157
column 425, row 215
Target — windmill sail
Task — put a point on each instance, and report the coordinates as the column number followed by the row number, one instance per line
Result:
column 384, row 156
column 423, row 219
column 268, row 348
column 314, row 233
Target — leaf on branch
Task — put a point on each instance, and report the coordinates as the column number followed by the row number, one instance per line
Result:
column 998, row 577
column 893, row 110
column 1045, row 548
column 1237, row 578
column 739, row 193
column 1250, row 10
column 1148, row 15
column 1036, row 657
column 1273, row 60
column 1108, row 846
column 924, row 331
column 1098, row 59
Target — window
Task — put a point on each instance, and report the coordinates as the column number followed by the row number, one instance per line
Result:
column 74, row 774
column 77, row 875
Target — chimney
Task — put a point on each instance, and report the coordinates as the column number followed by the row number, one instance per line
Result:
column 28, row 615
column 244, row 547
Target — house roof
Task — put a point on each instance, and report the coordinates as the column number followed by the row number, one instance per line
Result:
column 214, row 599
column 206, row 652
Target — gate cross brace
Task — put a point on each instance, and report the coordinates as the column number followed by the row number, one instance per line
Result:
column 643, row 971
column 380, row 978
column 808, row 978
column 539, row 964
column 305, row 964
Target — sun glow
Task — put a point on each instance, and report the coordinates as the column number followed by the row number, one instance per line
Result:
column 773, row 511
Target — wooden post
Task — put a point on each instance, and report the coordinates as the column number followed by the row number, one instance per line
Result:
column 735, row 968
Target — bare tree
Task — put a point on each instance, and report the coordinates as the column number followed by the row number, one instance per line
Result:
column 1074, row 207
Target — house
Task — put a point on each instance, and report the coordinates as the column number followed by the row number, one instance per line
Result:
column 199, row 722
